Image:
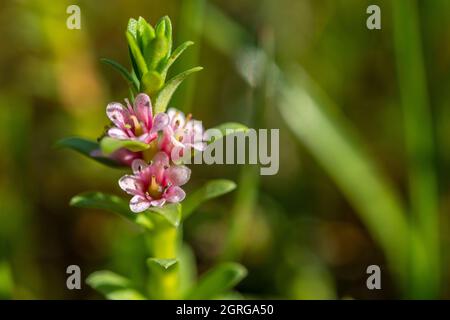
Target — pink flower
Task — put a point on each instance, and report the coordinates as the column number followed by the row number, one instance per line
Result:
column 154, row 184
column 180, row 134
column 135, row 123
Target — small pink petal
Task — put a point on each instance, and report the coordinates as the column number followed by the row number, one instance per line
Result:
column 139, row 204
column 161, row 159
column 175, row 142
column 116, row 113
column 158, row 203
column 175, row 194
column 125, row 156
column 143, row 108
column 178, row 175
column 130, row 184
column 177, row 118
column 160, row 121
column 117, row 134
column 138, row 165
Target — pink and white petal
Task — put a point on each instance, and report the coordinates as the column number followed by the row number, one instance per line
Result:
column 174, row 194
column 117, row 133
column 176, row 142
column 158, row 203
column 160, row 159
column 143, row 109
column 148, row 137
column 160, row 121
column 178, row 175
column 131, row 185
column 139, row 204
column 125, row 156
column 138, row 165
column 171, row 112
column 177, row 118
column 117, row 114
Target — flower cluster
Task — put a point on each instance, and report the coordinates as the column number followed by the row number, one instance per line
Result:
column 157, row 172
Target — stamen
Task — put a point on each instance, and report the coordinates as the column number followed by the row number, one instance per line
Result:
column 154, row 189
column 137, row 126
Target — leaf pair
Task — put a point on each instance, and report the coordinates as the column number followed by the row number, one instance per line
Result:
column 212, row 284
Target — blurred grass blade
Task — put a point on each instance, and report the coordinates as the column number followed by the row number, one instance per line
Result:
column 210, row 190
column 98, row 200
column 217, row 281
column 328, row 137
column 420, row 149
column 188, row 268
column 6, row 281
column 113, row 286
column 87, row 148
column 124, row 72
column 225, row 34
column 165, row 94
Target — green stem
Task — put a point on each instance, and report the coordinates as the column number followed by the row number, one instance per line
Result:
column 164, row 244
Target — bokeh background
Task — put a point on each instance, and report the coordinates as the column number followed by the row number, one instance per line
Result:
column 364, row 123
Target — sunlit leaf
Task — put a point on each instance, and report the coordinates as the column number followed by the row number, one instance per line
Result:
column 137, row 54
column 218, row 280
column 165, row 94
column 108, row 145
column 112, row 203
column 113, row 286
column 209, row 190
column 145, row 34
column 87, row 148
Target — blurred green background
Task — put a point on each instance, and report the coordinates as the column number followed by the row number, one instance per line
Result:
column 364, row 155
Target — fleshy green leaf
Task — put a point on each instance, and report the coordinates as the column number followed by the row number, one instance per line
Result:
column 113, row 286
column 163, row 278
column 171, row 212
column 86, row 147
column 178, row 51
column 124, row 72
column 163, row 264
column 132, row 27
column 209, row 190
column 136, row 54
column 160, row 47
column 218, row 280
column 145, row 34
column 151, row 82
column 108, row 145
column 165, row 94
column 112, row 203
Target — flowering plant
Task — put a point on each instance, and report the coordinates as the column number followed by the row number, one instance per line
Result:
column 152, row 142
